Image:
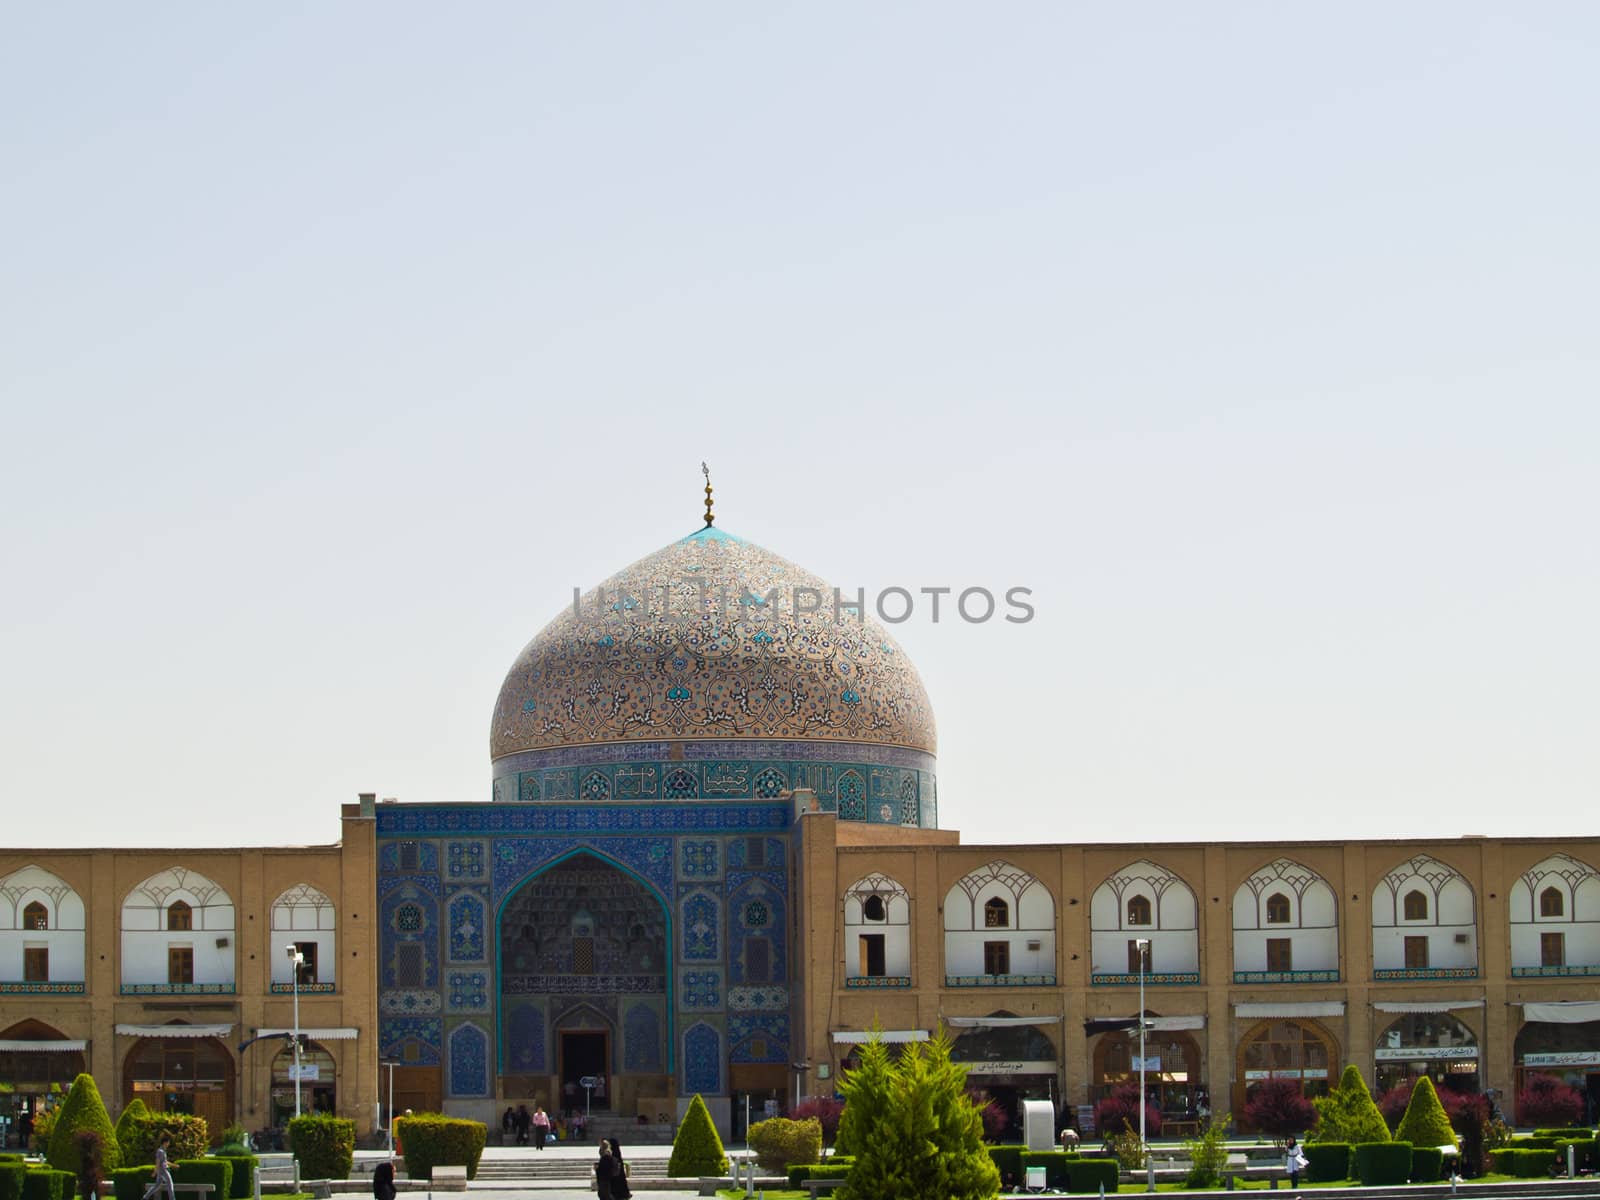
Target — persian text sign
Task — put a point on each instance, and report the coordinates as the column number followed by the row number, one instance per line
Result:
column 1570, row 1058
column 1423, row 1053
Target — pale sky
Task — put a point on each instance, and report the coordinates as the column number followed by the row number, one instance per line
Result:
column 338, row 343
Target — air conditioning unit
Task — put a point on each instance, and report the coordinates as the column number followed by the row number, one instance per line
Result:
column 1033, row 943
column 222, row 943
column 1461, row 939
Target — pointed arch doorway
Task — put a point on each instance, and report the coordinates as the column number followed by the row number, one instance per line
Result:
column 585, row 987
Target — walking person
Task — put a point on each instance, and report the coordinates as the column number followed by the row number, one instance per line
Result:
column 524, row 1123
column 508, row 1122
column 541, row 1127
column 1294, row 1162
column 606, row 1173
column 383, row 1181
column 163, row 1179
column 619, row 1185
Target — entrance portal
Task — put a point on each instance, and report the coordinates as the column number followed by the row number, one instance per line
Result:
column 585, row 1055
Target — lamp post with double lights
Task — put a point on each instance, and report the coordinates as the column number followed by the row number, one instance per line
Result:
column 1142, row 948
column 296, row 961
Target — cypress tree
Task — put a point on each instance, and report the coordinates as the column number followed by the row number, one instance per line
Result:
column 1425, row 1122
column 866, row 1096
column 82, row 1109
column 132, row 1113
column 929, row 1139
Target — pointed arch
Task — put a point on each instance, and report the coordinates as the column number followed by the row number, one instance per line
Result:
column 1424, row 922
column 42, row 931
column 1285, row 926
column 1554, row 913
column 178, row 929
column 979, row 948
column 1144, row 901
column 304, row 916
column 877, row 933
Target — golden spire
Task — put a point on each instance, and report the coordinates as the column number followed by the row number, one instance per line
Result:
column 706, row 471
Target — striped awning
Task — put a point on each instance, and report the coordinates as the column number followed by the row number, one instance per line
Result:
column 42, row 1045
column 998, row 1022
column 343, row 1033
column 175, row 1031
column 860, row 1037
column 1291, row 1008
column 1562, row 1012
column 1424, row 1006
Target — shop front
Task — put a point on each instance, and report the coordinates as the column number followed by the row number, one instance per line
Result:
column 180, row 1068
column 1009, row 1059
column 1427, row 1039
column 1562, row 1039
column 1287, row 1042
column 37, row 1067
column 1174, row 1067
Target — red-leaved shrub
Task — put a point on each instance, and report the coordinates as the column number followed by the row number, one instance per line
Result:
column 1545, row 1100
column 1279, row 1108
column 1120, row 1110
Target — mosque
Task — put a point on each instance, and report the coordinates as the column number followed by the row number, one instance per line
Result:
column 711, row 862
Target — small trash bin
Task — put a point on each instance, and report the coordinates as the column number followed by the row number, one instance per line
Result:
column 1035, row 1179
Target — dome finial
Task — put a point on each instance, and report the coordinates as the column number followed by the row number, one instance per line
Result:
column 706, row 471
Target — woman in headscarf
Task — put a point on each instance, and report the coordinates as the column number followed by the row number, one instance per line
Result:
column 606, row 1173
column 383, row 1181
column 619, row 1185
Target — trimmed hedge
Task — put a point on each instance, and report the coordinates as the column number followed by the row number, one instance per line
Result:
column 1055, row 1164
column 1583, row 1152
column 1523, row 1163
column 190, row 1137
column 42, row 1183
column 11, row 1174
column 1383, row 1164
column 218, row 1172
column 780, row 1143
column 1327, row 1162
column 1089, row 1174
column 1007, row 1160
column 131, row 1182
column 245, row 1166
column 324, row 1146
column 834, row 1168
column 434, row 1140
column 1427, row 1164
column 1563, row 1133
column 1534, row 1143
column 82, row 1109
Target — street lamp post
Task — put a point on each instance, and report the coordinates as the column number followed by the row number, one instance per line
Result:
column 296, row 960
column 1142, row 946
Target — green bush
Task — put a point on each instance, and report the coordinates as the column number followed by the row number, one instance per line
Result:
column 1055, row 1164
column 1208, row 1154
column 867, row 1100
column 1533, row 1143
column 1563, row 1133
column 43, row 1125
column 780, row 1143
column 1092, row 1174
column 1523, row 1163
column 1425, row 1122
column 1008, row 1161
column 131, row 1182
column 1327, row 1162
column 245, row 1166
column 433, row 1140
column 324, row 1146
column 832, row 1169
column 43, row 1183
column 11, row 1173
column 1427, row 1164
column 1383, row 1164
column 218, row 1172
column 190, row 1137
column 82, row 1109
column 132, row 1113
column 1348, row 1114
column 697, row 1148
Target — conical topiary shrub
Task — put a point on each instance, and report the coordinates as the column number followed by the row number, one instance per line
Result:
column 1425, row 1122
column 929, row 1140
column 82, row 1110
column 866, row 1097
column 697, row 1149
column 1349, row 1113
column 132, row 1113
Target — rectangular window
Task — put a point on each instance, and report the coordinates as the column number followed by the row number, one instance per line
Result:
column 1136, row 960
column 36, row 964
column 408, row 856
column 1280, row 956
column 872, row 954
column 1552, row 949
column 997, row 958
column 408, row 965
column 180, row 964
column 1417, row 953
column 755, row 852
column 308, row 968
column 757, row 960
column 583, row 956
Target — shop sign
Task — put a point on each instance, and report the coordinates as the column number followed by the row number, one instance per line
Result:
column 305, row 1072
column 1013, row 1067
column 1571, row 1058
column 1152, row 1063
column 1423, row 1053
column 1283, row 1073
